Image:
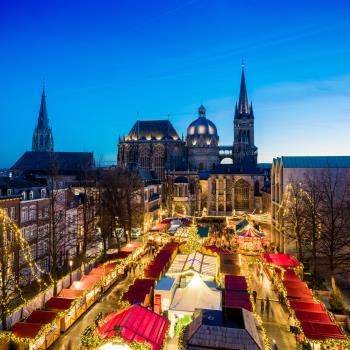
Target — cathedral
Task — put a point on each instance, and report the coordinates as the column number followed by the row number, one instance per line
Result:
column 195, row 178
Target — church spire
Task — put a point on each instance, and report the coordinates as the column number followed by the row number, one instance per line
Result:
column 243, row 106
column 42, row 136
column 43, row 119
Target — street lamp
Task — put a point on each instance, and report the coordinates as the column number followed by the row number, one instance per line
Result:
column 70, row 263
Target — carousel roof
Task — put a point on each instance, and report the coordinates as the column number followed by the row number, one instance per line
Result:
column 250, row 232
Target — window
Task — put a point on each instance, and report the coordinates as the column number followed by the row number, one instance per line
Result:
column 24, row 196
column 46, row 212
column 24, row 214
column 32, row 212
column 13, row 213
column 9, row 191
column 31, row 195
column 6, row 211
column 43, row 193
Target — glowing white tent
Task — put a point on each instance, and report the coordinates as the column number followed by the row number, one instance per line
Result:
column 197, row 295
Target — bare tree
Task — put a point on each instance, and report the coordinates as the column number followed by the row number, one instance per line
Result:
column 15, row 263
column 294, row 214
column 121, row 202
column 59, row 242
column 334, row 243
column 312, row 191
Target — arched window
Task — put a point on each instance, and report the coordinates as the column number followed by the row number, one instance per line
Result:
column 31, row 195
column 242, row 195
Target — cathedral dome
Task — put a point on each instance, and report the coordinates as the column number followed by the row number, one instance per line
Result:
column 202, row 132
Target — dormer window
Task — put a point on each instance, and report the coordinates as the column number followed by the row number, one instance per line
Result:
column 43, row 193
column 9, row 191
column 31, row 194
column 24, row 196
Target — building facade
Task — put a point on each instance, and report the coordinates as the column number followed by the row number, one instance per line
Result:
column 288, row 170
column 193, row 178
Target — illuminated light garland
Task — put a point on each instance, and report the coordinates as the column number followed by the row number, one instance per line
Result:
column 46, row 328
column 9, row 228
column 281, row 288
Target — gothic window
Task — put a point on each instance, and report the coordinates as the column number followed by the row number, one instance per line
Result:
column 41, row 140
column 221, row 186
column 242, row 195
column 256, row 188
column 221, row 207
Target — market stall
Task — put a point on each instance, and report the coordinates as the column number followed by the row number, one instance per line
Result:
column 42, row 328
column 230, row 264
column 88, row 285
column 136, row 323
column 205, row 265
column 163, row 293
column 196, row 295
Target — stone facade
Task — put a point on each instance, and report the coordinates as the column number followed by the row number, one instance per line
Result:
column 193, row 178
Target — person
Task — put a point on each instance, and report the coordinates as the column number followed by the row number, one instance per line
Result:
column 274, row 345
column 255, row 295
column 267, row 306
column 291, row 324
column 262, row 306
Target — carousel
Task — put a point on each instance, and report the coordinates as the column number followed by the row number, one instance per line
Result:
column 250, row 240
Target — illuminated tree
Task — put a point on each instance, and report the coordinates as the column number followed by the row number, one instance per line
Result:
column 193, row 241
column 16, row 265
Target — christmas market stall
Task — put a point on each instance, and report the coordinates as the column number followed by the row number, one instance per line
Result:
column 136, row 328
column 230, row 264
column 196, row 295
column 163, row 294
column 315, row 326
column 236, row 293
column 140, row 292
column 205, row 265
column 37, row 332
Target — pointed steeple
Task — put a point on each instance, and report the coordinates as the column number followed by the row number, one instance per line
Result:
column 42, row 136
column 43, row 119
column 243, row 105
column 251, row 110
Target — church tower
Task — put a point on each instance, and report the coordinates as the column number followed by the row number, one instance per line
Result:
column 244, row 151
column 42, row 136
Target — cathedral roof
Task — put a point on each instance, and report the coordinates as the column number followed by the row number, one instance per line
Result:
column 152, row 130
column 62, row 162
column 202, row 128
column 315, row 161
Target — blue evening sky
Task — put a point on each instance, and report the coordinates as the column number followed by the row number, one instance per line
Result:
column 105, row 62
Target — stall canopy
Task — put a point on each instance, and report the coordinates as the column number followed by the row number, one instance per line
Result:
column 290, row 275
column 26, row 330
column 230, row 264
column 282, row 260
column 320, row 331
column 235, row 283
column 41, row 316
column 197, row 295
column 308, row 305
column 217, row 250
column 70, row 293
column 237, row 300
column 319, row 317
column 205, row 265
column 135, row 324
column 59, row 303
